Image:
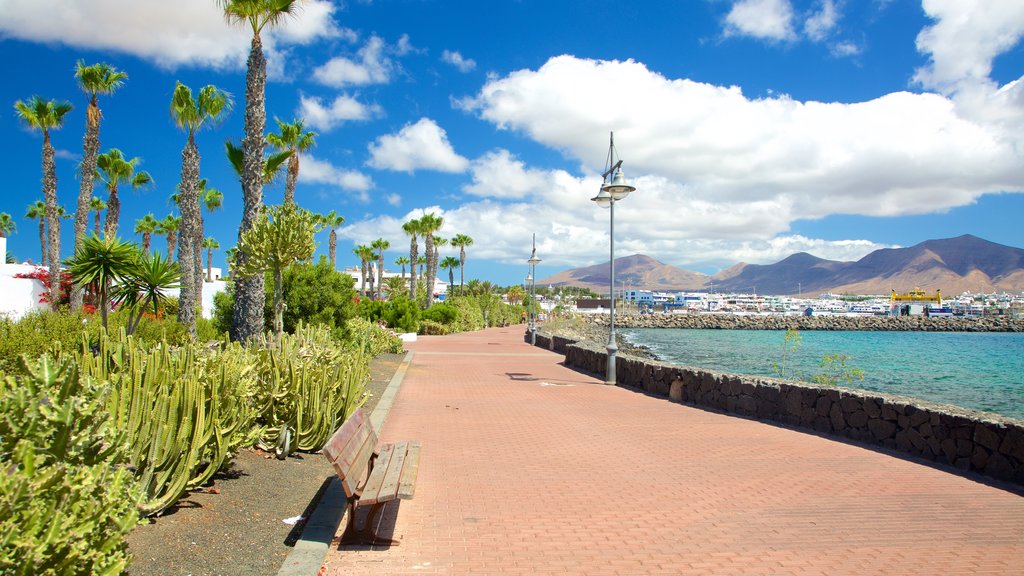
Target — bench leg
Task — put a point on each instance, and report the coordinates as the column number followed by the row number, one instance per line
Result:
column 365, row 535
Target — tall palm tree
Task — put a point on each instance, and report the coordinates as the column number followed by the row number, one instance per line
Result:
column 412, row 229
column 434, row 261
column 114, row 169
column 6, row 225
column 380, row 245
column 247, row 319
column 450, row 263
column 97, row 205
column 169, row 227
column 421, row 261
column 211, row 244
column 430, row 223
column 190, row 114
column 462, row 241
column 365, row 255
column 402, row 261
column 94, row 80
column 292, row 137
column 47, row 115
column 211, row 199
column 37, row 211
column 146, row 226
column 332, row 220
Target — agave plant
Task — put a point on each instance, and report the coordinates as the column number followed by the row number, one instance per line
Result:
column 100, row 263
column 143, row 287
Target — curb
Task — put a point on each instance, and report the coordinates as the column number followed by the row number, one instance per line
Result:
column 309, row 552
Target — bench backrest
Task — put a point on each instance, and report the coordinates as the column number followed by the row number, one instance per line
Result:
column 349, row 450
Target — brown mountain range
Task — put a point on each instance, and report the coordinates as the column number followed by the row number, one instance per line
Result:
column 954, row 265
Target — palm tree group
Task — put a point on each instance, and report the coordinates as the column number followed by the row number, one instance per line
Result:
column 114, row 169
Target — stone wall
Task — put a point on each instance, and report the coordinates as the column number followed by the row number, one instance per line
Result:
column 969, row 440
column 894, row 323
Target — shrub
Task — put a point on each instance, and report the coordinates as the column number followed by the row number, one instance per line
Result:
column 400, row 314
column 66, row 509
column 432, row 328
column 38, row 331
column 373, row 338
column 440, row 313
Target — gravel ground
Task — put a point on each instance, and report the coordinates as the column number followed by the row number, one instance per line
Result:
column 236, row 526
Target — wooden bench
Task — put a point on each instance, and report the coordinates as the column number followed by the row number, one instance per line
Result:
column 390, row 474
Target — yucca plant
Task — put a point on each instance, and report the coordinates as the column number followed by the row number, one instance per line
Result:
column 144, row 287
column 99, row 263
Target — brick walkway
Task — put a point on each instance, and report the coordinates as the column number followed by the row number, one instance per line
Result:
column 531, row 468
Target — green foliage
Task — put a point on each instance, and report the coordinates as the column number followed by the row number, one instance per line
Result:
column 373, row 338
column 400, row 314
column 443, row 313
column 308, row 385
column 791, row 345
column 65, row 509
column 432, row 328
column 836, row 370
column 38, row 331
column 98, row 263
column 313, row 294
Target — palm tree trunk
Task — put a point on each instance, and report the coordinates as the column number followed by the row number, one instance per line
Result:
column 91, row 148
column 462, row 267
column 414, row 255
column 429, row 280
column 146, row 238
column 198, row 259
column 380, row 275
column 42, row 239
column 96, row 229
column 247, row 316
column 291, row 178
column 362, row 277
column 113, row 212
column 172, row 241
column 188, row 250
column 53, row 220
column 332, row 247
column 209, row 264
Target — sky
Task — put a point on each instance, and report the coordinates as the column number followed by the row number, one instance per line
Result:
column 751, row 129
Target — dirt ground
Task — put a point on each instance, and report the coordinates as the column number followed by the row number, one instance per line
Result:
column 236, row 527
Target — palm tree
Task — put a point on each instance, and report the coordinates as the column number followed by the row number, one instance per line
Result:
column 332, row 220
column 146, row 226
column 422, row 263
column 169, row 227
column 6, row 225
column 272, row 164
column 450, row 263
column 210, row 244
column 365, row 254
column 47, row 115
column 402, row 261
column 380, row 245
column 462, row 241
column 250, row 297
column 38, row 211
column 292, row 138
column 211, row 199
column 98, row 263
column 429, row 223
column 190, row 114
column 113, row 168
column 96, row 205
column 434, row 261
column 412, row 229
column 94, row 80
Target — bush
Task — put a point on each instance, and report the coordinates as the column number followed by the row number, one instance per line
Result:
column 440, row 313
column 38, row 331
column 373, row 338
column 431, row 328
column 66, row 508
column 400, row 314
column 313, row 294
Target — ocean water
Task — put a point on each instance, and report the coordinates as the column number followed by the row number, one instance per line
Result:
column 982, row 371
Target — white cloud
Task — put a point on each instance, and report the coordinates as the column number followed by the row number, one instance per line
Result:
column 763, row 19
column 898, row 154
column 463, row 65
column 372, row 67
column 190, row 32
column 821, row 23
column 966, row 37
column 420, row 146
column 316, row 171
column 393, row 199
column 344, row 108
column 498, row 174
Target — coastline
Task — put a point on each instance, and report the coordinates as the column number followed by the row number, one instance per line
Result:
column 715, row 321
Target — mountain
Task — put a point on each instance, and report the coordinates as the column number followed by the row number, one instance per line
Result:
column 636, row 271
column 953, row 265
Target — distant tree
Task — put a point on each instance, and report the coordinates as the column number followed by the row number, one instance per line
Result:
column 47, row 115
column 462, row 241
column 210, row 244
column 6, row 224
column 37, row 211
column 380, row 245
column 146, row 226
column 332, row 221
column 412, row 230
column 402, row 261
column 169, row 227
column 450, row 263
column 114, row 169
column 365, row 255
column 430, row 223
column 292, row 138
column 100, row 78
column 282, row 236
column 98, row 206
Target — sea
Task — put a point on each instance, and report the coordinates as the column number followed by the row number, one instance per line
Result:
column 978, row 370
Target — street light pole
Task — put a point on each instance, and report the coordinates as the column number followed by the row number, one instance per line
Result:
column 533, row 261
column 611, row 192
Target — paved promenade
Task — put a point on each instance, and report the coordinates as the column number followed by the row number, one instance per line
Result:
column 531, row 468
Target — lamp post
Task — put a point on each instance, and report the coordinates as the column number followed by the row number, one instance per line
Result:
column 532, row 278
column 613, row 189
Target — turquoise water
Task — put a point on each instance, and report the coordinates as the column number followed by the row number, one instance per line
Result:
column 983, row 371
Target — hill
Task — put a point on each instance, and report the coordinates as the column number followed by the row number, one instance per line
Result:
column 636, row 271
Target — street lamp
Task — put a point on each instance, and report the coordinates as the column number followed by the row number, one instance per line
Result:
column 532, row 278
column 613, row 189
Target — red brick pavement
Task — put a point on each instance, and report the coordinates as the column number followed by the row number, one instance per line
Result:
column 531, row 468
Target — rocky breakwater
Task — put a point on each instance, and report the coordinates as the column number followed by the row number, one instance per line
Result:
column 973, row 441
column 714, row 321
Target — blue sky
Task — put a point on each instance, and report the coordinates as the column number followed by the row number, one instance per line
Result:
column 752, row 129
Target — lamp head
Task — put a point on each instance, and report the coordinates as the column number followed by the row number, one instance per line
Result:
column 603, row 198
column 618, row 189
